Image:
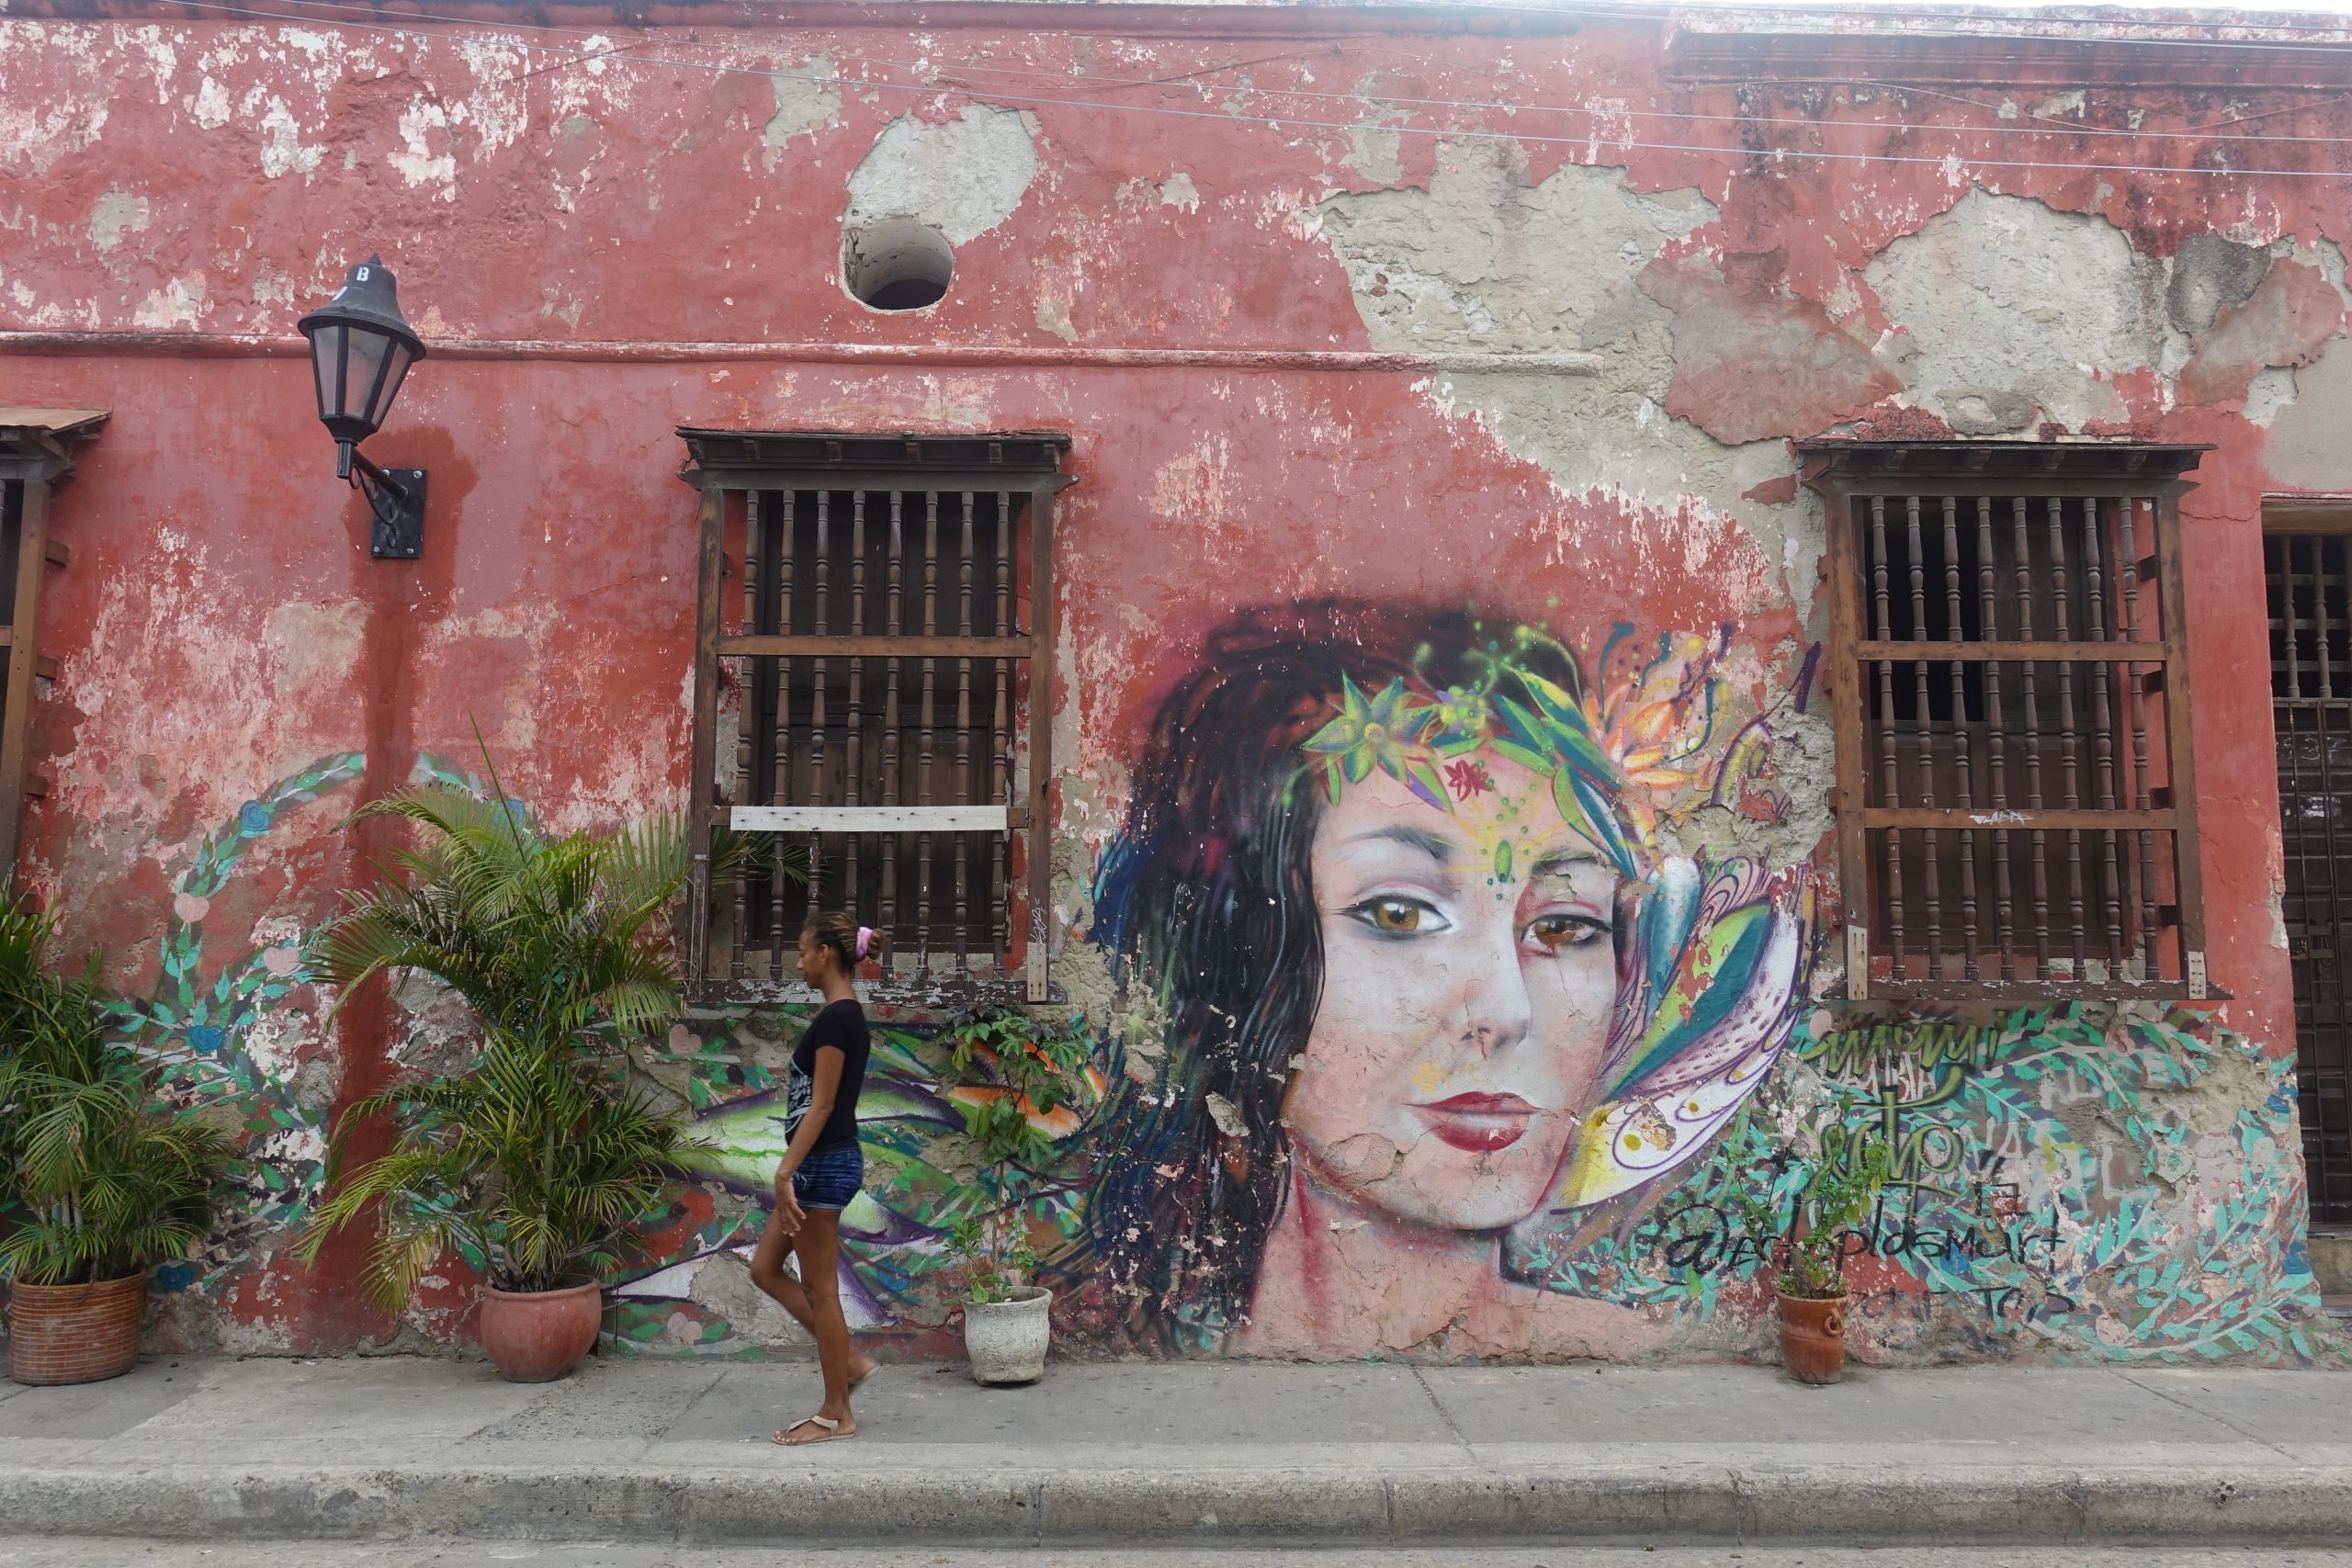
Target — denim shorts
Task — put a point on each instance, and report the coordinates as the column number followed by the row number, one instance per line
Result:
column 829, row 1178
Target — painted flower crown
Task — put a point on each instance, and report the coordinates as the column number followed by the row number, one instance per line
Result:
column 1614, row 760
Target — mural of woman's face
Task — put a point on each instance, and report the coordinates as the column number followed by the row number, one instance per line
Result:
column 1468, row 978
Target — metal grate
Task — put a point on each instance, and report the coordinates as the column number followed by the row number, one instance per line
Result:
column 2016, row 804
column 874, row 617
column 2309, row 583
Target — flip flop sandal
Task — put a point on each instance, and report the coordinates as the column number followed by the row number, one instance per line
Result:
column 855, row 1383
column 834, row 1433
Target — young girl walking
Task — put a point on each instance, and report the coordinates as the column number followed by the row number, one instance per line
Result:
column 822, row 1170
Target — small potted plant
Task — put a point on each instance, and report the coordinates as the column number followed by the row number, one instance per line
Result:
column 536, row 1160
column 98, row 1180
column 1018, row 1083
column 1827, row 1197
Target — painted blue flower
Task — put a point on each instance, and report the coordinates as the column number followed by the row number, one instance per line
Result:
column 253, row 819
column 174, row 1277
column 205, row 1039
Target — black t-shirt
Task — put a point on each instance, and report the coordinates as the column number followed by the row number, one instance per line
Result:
column 842, row 1026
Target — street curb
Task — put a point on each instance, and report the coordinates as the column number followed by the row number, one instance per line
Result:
column 801, row 1503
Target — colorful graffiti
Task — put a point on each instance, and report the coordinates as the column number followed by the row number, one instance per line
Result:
column 235, row 1044
column 2109, row 1181
column 1429, row 965
column 1436, row 1034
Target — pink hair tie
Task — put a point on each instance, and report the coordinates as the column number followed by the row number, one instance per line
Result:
column 865, row 938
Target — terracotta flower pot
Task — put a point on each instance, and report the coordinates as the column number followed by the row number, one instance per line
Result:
column 1812, row 1336
column 76, row 1332
column 538, row 1335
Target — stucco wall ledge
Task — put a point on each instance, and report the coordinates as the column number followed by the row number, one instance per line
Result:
column 230, row 345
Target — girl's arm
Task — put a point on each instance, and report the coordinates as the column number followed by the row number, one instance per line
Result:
column 824, row 1086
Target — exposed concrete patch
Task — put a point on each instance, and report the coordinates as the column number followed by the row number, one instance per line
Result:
column 210, row 106
column 2269, row 391
column 1482, row 260
column 2307, row 446
column 571, row 156
column 2209, row 273
column 419, row 164
column 963, row 176
column 1987, row 411
column 1177, row 190
column 1376, row 147
column 282, row 151
column 801, row 105
column 114, row 214
column 2285, row 322
column 178, row 304
column 2003, row 294
column 1727, row 325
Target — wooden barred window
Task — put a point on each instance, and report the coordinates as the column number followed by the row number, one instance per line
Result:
column 2016, row 811
column 38, row 449
column 873, row 643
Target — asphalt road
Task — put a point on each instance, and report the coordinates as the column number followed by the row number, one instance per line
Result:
column 17, row 1552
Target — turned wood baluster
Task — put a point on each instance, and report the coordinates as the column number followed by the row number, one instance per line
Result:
column 963, row 736
column 853, row 890
column 784, row 534
column 1931, row 872
column 2070, row 751
column 819, row 795
column 1997, row 724
column 2103, row 733
column 1001, row 740
column 929, row 719
column 1963, row 781
column 1889, row 757
column 893, row 743
column 746, row 722
column 2037, row 840
column 2134, row 698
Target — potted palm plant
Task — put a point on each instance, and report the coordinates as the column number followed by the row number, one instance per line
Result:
column 1017, row 1082
column 536, row 1161
column 99, row 1180
column 1826, row 1197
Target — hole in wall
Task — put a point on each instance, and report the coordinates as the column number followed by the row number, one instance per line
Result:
column 897, row 264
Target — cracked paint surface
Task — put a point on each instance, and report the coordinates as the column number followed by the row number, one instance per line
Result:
column 220, row 632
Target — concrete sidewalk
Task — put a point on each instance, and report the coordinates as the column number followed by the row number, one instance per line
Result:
column 1164, row 1454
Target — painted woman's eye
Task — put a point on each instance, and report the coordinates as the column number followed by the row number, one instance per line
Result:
column 1553, row 932
column 1400, row 917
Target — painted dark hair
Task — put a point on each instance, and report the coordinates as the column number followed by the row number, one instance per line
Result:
column 840, row 932
column 1206, row 904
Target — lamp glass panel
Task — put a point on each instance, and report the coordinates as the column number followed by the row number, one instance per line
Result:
column 326, row 358
column 363, row 354
column 397, row 372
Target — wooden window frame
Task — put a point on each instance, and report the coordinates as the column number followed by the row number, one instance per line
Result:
column 38, row 448
column 730, row 468
column 1849, row 475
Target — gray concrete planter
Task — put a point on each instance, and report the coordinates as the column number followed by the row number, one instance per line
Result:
column 1007, row 1340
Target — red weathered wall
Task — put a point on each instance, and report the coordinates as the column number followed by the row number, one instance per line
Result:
column 196, row 183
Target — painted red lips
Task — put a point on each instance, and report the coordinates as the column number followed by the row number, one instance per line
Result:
column 1479, row 1122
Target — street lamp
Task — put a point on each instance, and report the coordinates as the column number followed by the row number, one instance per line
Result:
column 361, row 348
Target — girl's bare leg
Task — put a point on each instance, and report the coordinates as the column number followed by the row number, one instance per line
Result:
column 767, row 1273
column 816, row 1246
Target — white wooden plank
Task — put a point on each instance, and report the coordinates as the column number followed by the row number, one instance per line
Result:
column 868, row 818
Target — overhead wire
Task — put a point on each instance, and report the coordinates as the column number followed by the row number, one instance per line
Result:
column 1454, row 133
column 1613, row 112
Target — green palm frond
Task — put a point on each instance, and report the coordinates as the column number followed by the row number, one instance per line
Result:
column 95, row 1181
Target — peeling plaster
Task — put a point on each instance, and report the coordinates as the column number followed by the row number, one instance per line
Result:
column 801, row 105
column 2003, row 294
column 115, row 214
column 962, row 177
